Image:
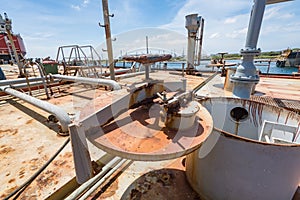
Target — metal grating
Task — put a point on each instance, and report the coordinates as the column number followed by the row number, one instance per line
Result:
column 283, row 103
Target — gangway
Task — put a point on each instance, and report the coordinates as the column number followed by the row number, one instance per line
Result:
column 83, row 60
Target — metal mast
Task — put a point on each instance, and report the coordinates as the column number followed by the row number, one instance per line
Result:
column 108, row 38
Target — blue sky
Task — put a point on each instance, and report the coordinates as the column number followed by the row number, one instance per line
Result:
column 47, row 24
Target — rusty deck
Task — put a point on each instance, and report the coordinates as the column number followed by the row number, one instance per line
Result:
column 28, row 139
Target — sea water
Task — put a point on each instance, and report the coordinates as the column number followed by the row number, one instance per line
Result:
column 204, row 66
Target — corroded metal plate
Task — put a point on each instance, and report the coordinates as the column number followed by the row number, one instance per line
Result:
column 138, row 134
column 148, row 58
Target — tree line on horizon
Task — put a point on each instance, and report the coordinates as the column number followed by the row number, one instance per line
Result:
column 263, row 55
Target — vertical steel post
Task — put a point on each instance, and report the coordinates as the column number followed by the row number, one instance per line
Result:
column 108, row 39
column 147, row 48
column 200, row 40
column 246, row 77
column 147, row 71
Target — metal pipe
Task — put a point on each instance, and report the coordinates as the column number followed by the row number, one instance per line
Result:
column 101, row 181
column 93, row 81
column 19, row 80
column 60, row 114
column 93, row 180
column 255, row 24
column 246, row 77
column 23, row 85
column 129, row 75
column 118, row 71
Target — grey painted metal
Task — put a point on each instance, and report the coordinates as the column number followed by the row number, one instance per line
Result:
column 147, row 71
column 246, row 77
column 233, row 164
column 200, row 39
column 81, row 155
column 255, row 24
column 75, row 194
column 113, row 84
column 192, row 25
column 60, row 114
column 184, row 84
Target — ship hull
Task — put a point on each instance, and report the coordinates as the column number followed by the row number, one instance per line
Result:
column 4, row 50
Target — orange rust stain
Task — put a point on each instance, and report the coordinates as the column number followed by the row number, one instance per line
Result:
column 136, row 131
column 110, row 191
column 45, row 157
column 11, row 180
column 40, row 149
column 30, row 121
column 10, row 131
column 21, row 172
column 34, row 160
column 47, row 178
column 68, row 155
column 59, row 162
column 7, row 192
column 5, row 149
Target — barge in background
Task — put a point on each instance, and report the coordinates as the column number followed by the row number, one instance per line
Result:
column 289, row 58
column 6, row 49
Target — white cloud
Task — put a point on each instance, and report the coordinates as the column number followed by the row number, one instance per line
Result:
column 230, row 20
column 82, row 5
column 75, row 7
column 39, row 36
column 226, row 24
column 223, row 19
column 237, row 33
column 85, row 2
column 214, row 35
